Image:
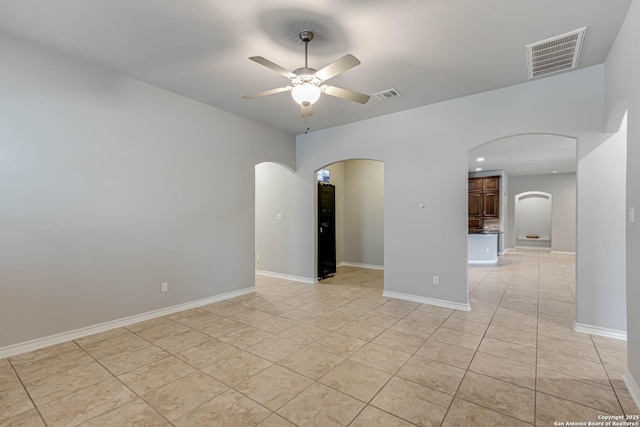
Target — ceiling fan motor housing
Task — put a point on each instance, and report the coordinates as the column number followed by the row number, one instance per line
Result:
column 305, row 35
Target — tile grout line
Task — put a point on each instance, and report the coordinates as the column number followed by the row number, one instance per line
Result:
column 607, row 374
column 27, row 392
column 535, row 384
column 125, row 385
column 455, row 396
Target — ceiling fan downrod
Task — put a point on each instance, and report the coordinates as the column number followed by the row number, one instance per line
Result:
column 306, row 36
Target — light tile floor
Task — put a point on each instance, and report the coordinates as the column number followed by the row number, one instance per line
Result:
column 337, row 353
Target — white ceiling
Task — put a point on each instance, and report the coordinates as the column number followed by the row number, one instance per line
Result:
column 526, row 155
column 429, row 50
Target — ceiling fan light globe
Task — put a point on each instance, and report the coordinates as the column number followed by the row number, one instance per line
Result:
column 305, row 94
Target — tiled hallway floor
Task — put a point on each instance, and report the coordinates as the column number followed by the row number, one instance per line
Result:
column 337, row 354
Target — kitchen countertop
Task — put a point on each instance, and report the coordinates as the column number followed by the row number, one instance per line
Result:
column 485, row 232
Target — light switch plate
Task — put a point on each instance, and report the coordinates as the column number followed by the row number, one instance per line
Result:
column 631, row 215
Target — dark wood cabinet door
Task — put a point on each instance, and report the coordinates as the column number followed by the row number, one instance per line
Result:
column 491, row 183
column 475, row 184
column 475, row 204
column 475, row 223
column 491, row 202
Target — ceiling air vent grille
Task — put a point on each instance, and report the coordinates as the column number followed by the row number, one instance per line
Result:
column 555, row 54
column 387, row 94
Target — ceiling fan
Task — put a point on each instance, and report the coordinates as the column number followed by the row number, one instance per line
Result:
column 307, row 83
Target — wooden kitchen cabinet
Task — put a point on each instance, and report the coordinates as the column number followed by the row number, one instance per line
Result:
column 484, row 201
column 491, row 183
column 475, row 185
column 491, row 204
column 475, row 204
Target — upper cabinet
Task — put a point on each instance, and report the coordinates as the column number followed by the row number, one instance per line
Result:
column 476, row 185
column 484, row 201
column 490, row 183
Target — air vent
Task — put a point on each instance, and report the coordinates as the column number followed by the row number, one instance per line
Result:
column 387, row 94
column 555, row 54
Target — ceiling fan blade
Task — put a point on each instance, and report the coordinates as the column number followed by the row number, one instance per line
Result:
column 275, row 67
column 268, row 92
column 306, row 111
column 338, row 66
column 346, row 94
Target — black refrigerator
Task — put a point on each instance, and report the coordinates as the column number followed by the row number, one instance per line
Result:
column 326, row 230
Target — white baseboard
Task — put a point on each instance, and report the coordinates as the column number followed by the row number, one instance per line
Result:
column 286, row 276
column 603, row 332
column 426, row 300
column 632, row 387
column 356, row 264
column 38, row 343
column 483, row 262
column 563, row 253
column 538, row 248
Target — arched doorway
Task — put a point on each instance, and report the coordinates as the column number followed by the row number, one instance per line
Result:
column 358, row 187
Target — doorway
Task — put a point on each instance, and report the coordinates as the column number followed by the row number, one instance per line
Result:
column 358, row 220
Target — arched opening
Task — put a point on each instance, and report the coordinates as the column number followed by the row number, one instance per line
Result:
column 533, row 217
column 349, row 225
column 530, row 162
column 534, row 200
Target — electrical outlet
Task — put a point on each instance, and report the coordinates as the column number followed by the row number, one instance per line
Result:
column 279, row 216
column 164, row 287
column 436, row 280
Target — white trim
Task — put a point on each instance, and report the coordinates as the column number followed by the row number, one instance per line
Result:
column 603, row 332
column 563, row 253
column 483, row 261
column 426, row 300
column 357, row 264
column 509, row 250
column 632, row 387
column 286, row 276
column 539, row 248
column 38, row 343
column 535, row 239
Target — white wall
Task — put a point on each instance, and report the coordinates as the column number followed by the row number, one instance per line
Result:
column 278, row 190
column 425, row 155
column 364, row 212
column 533, row 217
column 110, row 187
column 601, row 214
column 562, row 187
column 623, row 92
column 359, row 215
